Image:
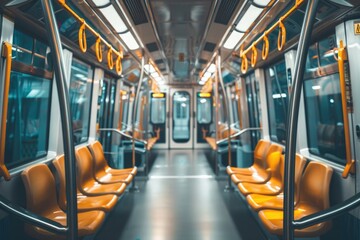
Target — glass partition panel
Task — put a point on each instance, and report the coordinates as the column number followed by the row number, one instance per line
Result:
column 158, row 108
column 278, row 100
column 204, row 108
column 80, row 99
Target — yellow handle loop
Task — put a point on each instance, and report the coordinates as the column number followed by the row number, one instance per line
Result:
column 281, row 36
column 82, row 37
column 110, row 59
column 118, row 65
column 98, row 50
column 254, row 56
column 244, row 64
column 265, row 48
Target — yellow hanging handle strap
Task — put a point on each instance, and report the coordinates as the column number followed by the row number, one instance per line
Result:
column 98, row 49
column 6, row 53
column 265, row 48
column 254, row 55
column 110, row 60
column 82, row 37
column 350, row 163
column 281, row 36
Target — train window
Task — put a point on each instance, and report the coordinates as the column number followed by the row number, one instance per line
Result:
column 158, row 108
column 235, row 108
column 204, row 108
column 28, row 118
column 106, row 103
column 125, row 109
column 181, row 117
column 277, row 96
column 80, row 99
column 325, row 126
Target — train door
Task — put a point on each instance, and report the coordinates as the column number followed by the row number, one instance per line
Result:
column 181, row 119
column 158, row 119
column 204, row 117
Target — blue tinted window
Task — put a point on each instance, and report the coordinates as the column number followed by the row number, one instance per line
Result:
column 27, row 126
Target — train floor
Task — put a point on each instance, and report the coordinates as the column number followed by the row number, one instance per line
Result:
column 182, row 199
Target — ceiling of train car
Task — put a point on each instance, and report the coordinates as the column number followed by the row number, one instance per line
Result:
column 181, row 26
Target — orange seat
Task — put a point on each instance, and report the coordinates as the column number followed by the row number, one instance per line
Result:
column 271, row 187
column 86, row 182
column 212, row 142
column 41, row 199
column 258, row 201
column 260, row 153
column 314, row 197
column 98, row 154
column 262, row 174
column 100, row 167
column 84, row 203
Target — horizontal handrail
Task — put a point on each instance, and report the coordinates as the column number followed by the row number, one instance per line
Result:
column 329, row 213
column 31, row 218
column 122, row 134
column 238, row 134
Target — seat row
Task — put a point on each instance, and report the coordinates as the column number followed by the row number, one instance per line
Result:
column 223, row 133
column 262, row 185
column 98, row 190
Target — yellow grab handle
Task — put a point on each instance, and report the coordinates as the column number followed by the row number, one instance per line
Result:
column 82, row 37
column 98, row 49
column 281, row 36
column 6, row 53
column 118, row 65
column 110, row 59
column 244, row 64
column 350, row 163
column 265, row 48
column 254, row 55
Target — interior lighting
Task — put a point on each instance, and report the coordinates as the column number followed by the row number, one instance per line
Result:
column 251, row 14
column 114, row 19
column 129, row 40
column 233, row 39
column 100, row 3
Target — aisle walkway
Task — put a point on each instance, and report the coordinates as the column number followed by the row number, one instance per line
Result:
column 182, row 200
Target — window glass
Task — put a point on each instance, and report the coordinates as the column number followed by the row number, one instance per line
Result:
column 28, row 118
column 204, row 108
column 181, row 117
column 325, row 125
column 158, row 108
column 80, row 99
column 27, row 127
column 277, row 96
column 125, row 103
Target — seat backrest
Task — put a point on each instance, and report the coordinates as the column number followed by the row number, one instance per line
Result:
column 84, row 166
column 40, row 189
column 97, row 152
column 274, row 162
column 300, row 163
column 315, row 185
column 59, row 164
column 260, row 151
column 273, row 148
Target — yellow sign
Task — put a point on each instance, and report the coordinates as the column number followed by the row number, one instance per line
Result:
column 158, row 95
column 357, row 28
column 205, row 95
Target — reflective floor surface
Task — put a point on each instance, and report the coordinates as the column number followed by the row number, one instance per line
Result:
column 181, row 200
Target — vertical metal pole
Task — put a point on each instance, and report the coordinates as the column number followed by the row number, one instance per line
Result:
column 290, row 148
column 216, row 118
column 135, row 109
column 67, row 131
column 227, row 114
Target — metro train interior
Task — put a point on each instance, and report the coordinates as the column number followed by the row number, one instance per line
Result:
column 167, row 119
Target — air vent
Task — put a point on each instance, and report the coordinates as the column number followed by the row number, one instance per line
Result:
column 136, row 11
column 152, row 47
column 226, row 10
column 159, row 61
column 202, row 61
column 210, row 47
